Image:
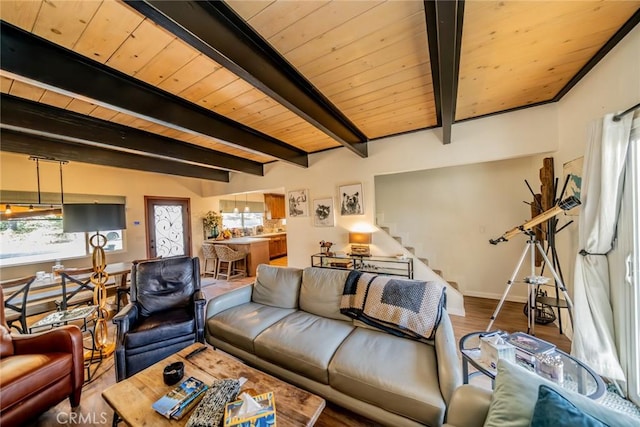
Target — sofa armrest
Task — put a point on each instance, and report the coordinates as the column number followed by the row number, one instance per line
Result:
column 227, row 300
column 469, row 406
column 124, row 320
column 199, row 302
column 448, row 363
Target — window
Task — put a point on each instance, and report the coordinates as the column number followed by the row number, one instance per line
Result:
column 241, row 219
column 41, row 239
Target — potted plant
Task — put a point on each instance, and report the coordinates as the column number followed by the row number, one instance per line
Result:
column 212, row 221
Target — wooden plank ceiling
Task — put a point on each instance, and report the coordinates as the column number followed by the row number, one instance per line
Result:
column 366, row 60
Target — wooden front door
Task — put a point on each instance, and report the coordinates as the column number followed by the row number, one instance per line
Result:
column 168, row 226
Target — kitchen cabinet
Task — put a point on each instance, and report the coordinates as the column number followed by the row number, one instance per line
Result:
column 277, row 246
column 274, row 203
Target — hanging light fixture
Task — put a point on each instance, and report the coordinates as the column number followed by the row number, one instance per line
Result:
column 235, row 204
column 7, row 209
column 246, row 205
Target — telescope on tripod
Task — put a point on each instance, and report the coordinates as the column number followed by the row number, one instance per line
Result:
column 533, row 244
column 565, row 205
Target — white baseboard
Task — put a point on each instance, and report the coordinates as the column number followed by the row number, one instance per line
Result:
column 491, row 295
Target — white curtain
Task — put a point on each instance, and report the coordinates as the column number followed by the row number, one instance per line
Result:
column 602, row 181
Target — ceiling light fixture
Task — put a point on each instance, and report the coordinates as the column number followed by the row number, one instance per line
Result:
column 7, row 209
column 246, row 205
column 235, row 204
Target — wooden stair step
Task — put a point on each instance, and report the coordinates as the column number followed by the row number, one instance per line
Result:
column 453, row 285
column 411, row 249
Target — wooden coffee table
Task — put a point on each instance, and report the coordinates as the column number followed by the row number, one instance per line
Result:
column 132, row 398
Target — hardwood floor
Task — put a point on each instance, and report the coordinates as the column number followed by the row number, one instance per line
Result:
column 94, row 411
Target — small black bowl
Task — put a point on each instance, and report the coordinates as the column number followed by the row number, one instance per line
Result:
column 173, row 373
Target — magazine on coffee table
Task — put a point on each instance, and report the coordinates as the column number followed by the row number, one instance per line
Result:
column 181, row 398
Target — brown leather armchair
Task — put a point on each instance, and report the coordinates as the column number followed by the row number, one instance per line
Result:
column 38, row 371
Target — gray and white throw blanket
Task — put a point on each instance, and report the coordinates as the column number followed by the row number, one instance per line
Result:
column 402, row 307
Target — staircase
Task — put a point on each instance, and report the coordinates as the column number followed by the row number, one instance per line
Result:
column 412, row 250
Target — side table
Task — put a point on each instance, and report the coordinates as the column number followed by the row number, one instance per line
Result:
column 578, row 377
column 63, row 317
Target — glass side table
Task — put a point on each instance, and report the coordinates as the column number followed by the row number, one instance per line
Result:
column 578, row 377
column 84, row 314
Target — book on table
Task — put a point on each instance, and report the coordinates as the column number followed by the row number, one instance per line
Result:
column 528, row 347
column 181, row 399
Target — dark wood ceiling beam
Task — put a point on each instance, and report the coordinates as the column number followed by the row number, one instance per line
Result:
column 444, row 30
column 24, row 114
column 217, row 31
column 61, row 68
column 38, row 145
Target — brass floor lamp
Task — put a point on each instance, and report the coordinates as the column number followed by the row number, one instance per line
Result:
column 89, row 218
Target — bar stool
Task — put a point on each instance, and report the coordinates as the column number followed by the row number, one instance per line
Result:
column 210, row 256
column 230, row 258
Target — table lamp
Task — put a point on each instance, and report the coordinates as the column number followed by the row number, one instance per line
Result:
column 90, row 218
column 360, row 242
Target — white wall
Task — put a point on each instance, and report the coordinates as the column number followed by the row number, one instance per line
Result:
column 449, row 214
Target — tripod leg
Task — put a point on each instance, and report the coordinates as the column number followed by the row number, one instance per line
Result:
column 560, row 283
column 506, row 291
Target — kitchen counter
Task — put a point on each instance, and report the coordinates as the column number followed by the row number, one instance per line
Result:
column 278, row 233
column 239, row 240
column 277, row 243
column 257, row 250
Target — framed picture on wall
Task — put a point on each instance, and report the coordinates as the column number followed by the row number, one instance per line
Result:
column 323, row 215
column 573, row 174
column 298, row 203
column 351, row 200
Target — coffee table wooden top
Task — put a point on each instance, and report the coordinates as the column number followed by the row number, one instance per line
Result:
column 132, row 398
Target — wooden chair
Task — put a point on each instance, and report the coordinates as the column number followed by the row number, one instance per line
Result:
column 230, row 258
column 17, row 312
column 210, row 256
column 77, row 288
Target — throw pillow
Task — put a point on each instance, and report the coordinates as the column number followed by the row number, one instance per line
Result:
column 516, row 392
column 554, row 410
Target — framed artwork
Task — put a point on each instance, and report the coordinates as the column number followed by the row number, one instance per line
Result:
column 573, row 173
column 298, row 203
column 323, row 215
column 351, row 200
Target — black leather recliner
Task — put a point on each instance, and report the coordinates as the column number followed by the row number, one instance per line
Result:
column 165, row 315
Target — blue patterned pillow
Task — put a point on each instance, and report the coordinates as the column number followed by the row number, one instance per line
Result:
column 554, row 410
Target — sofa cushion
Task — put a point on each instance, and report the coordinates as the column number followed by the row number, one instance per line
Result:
column 303, row 343
column 321, row 292
column 554, row 410
column 27, row 374
column 516, row 392
column 393, row 373
column 277, row 286
column 240, row 325
column 163, row 284
column 160, row 327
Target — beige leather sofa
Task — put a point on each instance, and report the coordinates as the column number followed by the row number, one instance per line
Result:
column 289, row 324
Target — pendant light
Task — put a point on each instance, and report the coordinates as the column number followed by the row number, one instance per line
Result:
column 246, row 205
column 235, row 204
